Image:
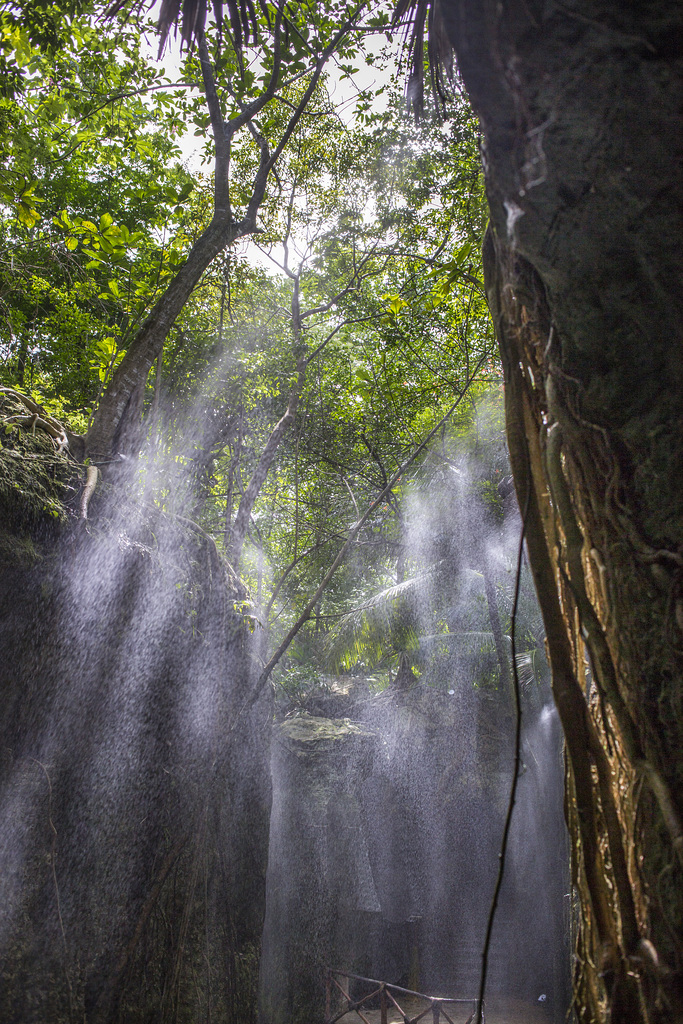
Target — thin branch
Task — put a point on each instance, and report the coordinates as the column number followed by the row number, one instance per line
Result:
column 310, row 89
column 128, row 95
column 347, row 485
column 345, row 323
column 355, row 280
column 353, row 533
column 293, row 564
column 288, row 234
column 258, row 477
column 515, row 772
column 375, row 457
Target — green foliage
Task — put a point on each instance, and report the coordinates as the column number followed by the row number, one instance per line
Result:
column 381, row 629
column 88, row 187
column 378, row 222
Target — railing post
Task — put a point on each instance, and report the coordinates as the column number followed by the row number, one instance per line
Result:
column 383, row 1005
column 328, row 995
column 436, row 1011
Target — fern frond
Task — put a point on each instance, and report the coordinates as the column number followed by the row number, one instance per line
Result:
column 381, row 626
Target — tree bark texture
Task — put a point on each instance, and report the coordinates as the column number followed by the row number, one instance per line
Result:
column 121, row 403
column 580, row 108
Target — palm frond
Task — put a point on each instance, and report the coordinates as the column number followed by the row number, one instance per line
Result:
column 528, row 668
column 190, row 17
column 382, row 626
column 416, row 15
column 409, row 589
column 460, row 638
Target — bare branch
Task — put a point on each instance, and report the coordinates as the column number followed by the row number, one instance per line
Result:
column 257, row 688
column 253, row 108
column 221, row 139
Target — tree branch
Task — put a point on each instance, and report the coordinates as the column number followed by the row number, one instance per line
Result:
column 257, row 105
column 221, row 139
column 257, row 688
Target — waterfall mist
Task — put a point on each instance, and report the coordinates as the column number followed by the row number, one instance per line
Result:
column 389, row 802
column 133, row 815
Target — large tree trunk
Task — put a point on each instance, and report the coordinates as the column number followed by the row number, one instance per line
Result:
column 580, row 107
column 121, row 405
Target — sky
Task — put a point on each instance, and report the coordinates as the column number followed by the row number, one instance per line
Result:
column 343, row 92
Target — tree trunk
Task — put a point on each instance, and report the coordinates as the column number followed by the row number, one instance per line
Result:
column 121, row 403
column 580, row 110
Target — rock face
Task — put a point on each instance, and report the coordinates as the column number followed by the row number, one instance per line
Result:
column 134, row 800
column 318, row 862
column 580, row 108
column 384, row 840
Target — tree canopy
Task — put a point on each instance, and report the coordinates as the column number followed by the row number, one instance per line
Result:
column 292, row 334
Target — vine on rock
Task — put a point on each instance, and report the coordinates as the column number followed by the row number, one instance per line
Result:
column 622, row 950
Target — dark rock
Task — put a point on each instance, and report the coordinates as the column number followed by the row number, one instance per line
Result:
column 134, row 803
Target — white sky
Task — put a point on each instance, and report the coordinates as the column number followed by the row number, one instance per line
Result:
column 343, row 91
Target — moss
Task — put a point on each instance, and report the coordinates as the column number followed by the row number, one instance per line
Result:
column 38, row 482
column 309, row 729
column 18, row 551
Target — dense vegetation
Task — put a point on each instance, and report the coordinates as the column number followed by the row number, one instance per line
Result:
column 292, row 395
column 289, row 346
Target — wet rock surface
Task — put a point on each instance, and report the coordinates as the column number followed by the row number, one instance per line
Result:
column 384, row 841
column 134, row 822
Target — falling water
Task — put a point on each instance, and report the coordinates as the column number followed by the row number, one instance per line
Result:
column 135, row 802
column 388, row 810
column 133, row 821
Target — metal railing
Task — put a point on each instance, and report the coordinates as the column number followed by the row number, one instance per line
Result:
column 385, row 993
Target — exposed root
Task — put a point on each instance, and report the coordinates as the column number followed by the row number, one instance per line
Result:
column 620, row 972
column 91, row 478
column 37, row 418
column 603, row 665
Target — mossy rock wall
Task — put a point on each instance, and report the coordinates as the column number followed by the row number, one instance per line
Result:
column 318, row 862
column 135, row 800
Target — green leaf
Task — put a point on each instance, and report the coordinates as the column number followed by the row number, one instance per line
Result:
column 396, row 304
column 185, row 191
column 28, row 215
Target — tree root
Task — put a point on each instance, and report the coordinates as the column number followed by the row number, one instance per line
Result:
column 91, row 478
column 112, row 989
column 622, row 971
column 569, row 699
column 601, row 658
column 37, row 418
